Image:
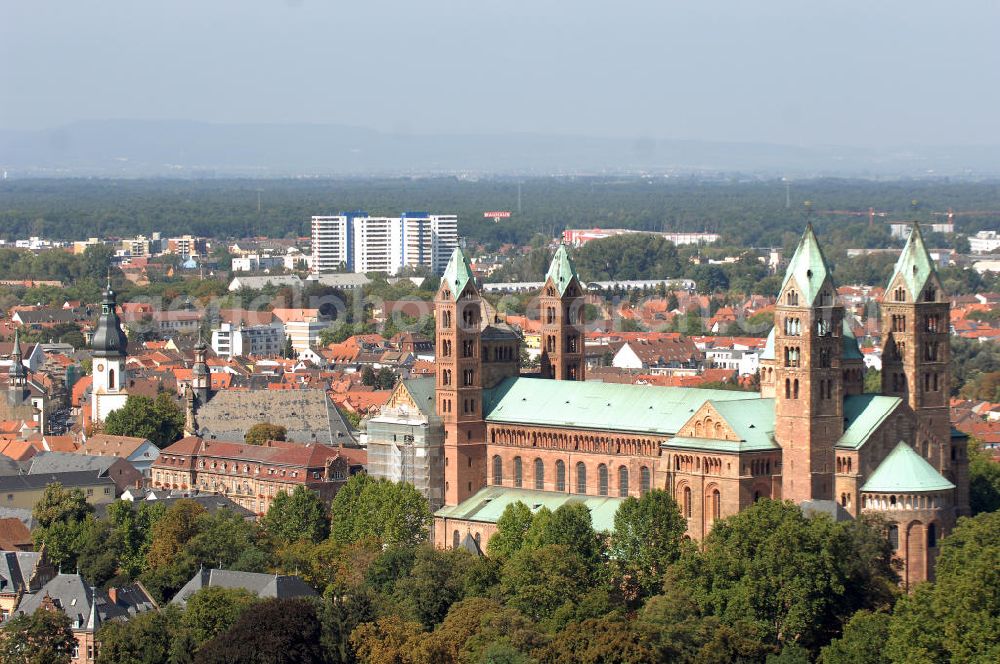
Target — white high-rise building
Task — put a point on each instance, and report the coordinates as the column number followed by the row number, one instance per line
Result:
column 329, row 243
column 357, row 242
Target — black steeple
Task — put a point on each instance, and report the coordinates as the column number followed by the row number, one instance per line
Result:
column 109, row 339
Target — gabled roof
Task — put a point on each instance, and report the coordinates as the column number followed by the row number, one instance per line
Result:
column 261, row 585
column 850, row 351
column 599, row 406
column 75, row 598
column 458, row 273
column 914, row 265
column 768, row 353
column 561, row 270
column 905, row 471
column 421, row 390
column 863, row 414
column 808, row 267
column 17, row 567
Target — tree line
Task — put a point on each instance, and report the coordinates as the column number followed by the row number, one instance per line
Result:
column 769, row 584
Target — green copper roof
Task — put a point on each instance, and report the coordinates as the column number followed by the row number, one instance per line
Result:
column 751, row 419
column 561, row 270
column 422, row 392
column 768, row 353
column 488, row 504
column 458, row 273
column 851, row 351
column 863, row 414
column 914, row 264
column 600, row 406
column 808, row 267
column 905, row 471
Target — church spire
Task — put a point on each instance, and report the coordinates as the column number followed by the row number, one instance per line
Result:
column 808, row 268
column 458, row 274
column 561, row 270
column 18, row 374
column 914, row 267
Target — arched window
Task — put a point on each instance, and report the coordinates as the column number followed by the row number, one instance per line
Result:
column 795, row 389
column 581, row 477
column 645, row 479
column 716, row 504
column 788, row 388
column 602, row 480
column 539, row 475
column 931, row 536
column 518, row 475
column 622, row 481
column 497, row 470
column 111, row 379
column 687, row 502
column 454, row 540
column 560, row 476
column 894, row 536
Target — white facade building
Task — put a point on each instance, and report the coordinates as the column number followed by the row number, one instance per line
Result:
column 358, row 242
column 230, row 340
column 984, row 242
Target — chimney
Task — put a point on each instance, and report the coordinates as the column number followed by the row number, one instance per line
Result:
column 113, row 594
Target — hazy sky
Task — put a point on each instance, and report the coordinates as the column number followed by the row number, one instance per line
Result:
column 799, row 72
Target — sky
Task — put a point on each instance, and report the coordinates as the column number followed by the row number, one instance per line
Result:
column 791, row 72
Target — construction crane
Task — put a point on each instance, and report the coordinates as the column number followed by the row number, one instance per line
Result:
column 871, row 213
column 951, row 214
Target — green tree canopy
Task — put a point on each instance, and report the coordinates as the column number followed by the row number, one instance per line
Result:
column 390, row 512
column 43, row 637
column 512, row 528
column 275, row 631
column 984, row 480
column 211, row 611
column 863, row 641
column 299, row 515
column 646, row 540
column 957, row 617
column 262, row 432
column 160, row 420
column 793, row 578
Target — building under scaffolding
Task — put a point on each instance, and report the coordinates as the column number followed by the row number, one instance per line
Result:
column 406, row 440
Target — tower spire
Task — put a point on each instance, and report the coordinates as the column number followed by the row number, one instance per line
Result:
column 562, row 310
column 18, row 374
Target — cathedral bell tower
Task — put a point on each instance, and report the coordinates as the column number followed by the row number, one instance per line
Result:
column 808, row 383
column 561, row 307
column 109, row 352
column 458, row 382
column 916, row 355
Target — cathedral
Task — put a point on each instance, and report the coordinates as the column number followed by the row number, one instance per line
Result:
column 812, row 435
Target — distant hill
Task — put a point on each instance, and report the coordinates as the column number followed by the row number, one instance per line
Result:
column 136, row 148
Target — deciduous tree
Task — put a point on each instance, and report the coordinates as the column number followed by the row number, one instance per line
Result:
column 262, row 432
column 299, row 515
column 43, row 637
column 646, row 540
